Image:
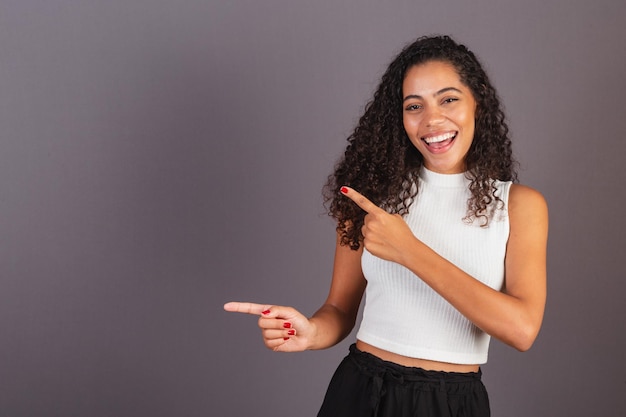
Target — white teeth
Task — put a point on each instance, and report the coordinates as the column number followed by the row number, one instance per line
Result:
column 440, row 138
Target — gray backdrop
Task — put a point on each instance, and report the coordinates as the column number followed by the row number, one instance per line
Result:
column 159, row 158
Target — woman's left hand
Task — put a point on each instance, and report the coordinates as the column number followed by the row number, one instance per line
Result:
column 386, row 236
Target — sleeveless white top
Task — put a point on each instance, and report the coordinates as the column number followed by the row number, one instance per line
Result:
column 402, row 314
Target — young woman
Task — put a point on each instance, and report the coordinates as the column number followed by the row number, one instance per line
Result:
column 431, row 226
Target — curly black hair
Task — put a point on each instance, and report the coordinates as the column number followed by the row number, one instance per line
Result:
column 381, row 162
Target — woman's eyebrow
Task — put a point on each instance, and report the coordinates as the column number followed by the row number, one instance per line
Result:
column 438, row 93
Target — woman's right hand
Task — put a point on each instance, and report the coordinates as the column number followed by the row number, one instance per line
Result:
column 284, row 329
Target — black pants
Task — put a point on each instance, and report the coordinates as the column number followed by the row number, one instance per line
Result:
column 366, row 386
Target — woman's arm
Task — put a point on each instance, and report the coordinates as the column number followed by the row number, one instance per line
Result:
column 513, row 316
column 286, row 329
column 336, row 317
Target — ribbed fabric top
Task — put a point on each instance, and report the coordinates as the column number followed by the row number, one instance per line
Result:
column 402, row 314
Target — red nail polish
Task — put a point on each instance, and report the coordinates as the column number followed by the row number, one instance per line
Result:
column 344, row 190
column 291, row 332
column 285, row 338
column 266, row 312
column 287, row 325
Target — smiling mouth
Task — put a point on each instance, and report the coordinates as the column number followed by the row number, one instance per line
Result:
column 440, row 140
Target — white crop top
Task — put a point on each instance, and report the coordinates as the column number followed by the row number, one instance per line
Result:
column 402, row 314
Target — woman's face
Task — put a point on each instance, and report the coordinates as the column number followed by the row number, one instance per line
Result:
column 438, row 115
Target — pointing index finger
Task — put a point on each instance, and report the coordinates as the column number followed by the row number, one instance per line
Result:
column 248, row 308
column 360, row 200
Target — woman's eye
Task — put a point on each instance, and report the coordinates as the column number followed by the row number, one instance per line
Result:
column 450, row 99
column 413, row 107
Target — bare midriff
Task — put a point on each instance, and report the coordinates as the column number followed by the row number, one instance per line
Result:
column 415, row 362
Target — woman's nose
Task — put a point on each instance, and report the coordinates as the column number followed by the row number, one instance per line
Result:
column 434, row 116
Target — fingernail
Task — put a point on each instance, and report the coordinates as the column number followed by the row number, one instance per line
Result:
column 265, row 312
column 285, row 338
column 287, row 325
column 344, row 190
column 291, row 332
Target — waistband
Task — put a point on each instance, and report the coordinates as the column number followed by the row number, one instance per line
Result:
column 376, row 367
column 384, row 372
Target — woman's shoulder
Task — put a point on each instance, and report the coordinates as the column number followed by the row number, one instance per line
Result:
column 526, row 202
